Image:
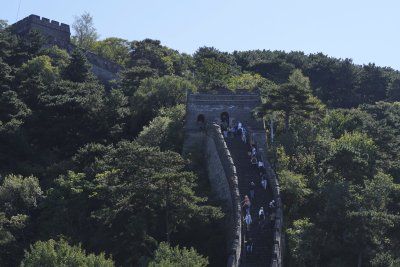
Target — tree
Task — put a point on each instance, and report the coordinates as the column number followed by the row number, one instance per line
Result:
column 115, row 114
column 19, row 194
column 53, row 253
column 333, row 81
column 353, row 155
column 59, row 57
column 13, row 112
column 65, row 211
column 294, row 191
column 155, row 93
column 303, row 238
column 114, row 49
column 246, row 81
column 393, row 91
column 144, row 195
column 85, row 33
column 385, row 131
column 373, row 84
column 213, row 53
column 293, row 97
column 165, row 130
column 214, row 68
column 78, row 69
column 73, row 113
column 40, row 66
column 150, row 53
column 340, row 121
column 19, row 197
column 149, row 59
column 3, row 24
column 212, row 74
column 8, row 44
column 167, row 256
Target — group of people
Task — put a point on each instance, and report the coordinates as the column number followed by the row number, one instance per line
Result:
column 237, row 130
column 254, row 158
column 265, row 213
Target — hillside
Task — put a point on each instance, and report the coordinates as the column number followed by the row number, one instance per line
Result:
column 101, row 167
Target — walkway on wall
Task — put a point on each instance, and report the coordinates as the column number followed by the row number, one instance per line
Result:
column 261, row 237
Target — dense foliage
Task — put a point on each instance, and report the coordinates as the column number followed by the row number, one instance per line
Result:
column 99, row 169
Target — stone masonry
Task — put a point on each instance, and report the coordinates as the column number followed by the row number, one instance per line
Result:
column 204, row 113
column 59, row 34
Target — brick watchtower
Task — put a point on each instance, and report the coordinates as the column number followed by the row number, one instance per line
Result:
column 55, row 32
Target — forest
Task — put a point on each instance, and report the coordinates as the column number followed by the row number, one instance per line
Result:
column 92, row 175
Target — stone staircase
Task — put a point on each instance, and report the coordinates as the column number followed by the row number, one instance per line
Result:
column 262, row 238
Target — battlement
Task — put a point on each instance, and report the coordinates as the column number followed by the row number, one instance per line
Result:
column 221, row 98
column 56, row 32
column 237, row 106
column 59, row 34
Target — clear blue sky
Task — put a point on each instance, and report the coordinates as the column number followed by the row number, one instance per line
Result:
column 364, row 30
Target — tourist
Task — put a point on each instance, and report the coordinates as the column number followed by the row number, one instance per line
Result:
column 252, row 190
column 248, row 221
column 264, row 182
column 244, row 135
column 272, row 219
column 249, row 246
column 272, row 204
column 261, row 214
column 246, row 204
column 260, row 165
column 253, row 150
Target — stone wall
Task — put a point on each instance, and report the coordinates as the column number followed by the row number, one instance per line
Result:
column 224, row 181
column 203, row 136
column 239, row 107
column 210, row 144
column 104, row 69
column 55, row 32
column 59, row 34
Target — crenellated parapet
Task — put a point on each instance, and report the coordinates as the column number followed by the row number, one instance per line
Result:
column 56, row 32
column 224, row 180
column 59, row 34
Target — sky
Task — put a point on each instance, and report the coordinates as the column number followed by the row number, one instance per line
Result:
column 367, row 31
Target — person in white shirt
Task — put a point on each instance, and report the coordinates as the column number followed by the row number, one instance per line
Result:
column 261, row 214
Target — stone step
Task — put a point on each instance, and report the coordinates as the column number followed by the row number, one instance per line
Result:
column 247, row 172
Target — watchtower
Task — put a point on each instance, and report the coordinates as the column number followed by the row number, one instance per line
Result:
column 228, row 177
column 223, row 106
column 55, row 32
column 59, row 34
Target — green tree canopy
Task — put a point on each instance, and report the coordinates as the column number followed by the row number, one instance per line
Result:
column 293, row 97
column 53, row 253
column 19, row 197
column 167, row 256
column 144, row 194
column 165, row 130
column 78, row 69
column 85, row 34
column 155, row 93
column 114, row 49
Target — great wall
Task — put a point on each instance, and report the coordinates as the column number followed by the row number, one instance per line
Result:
column 229, row 169
column 59, row 34
column 228, row 164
